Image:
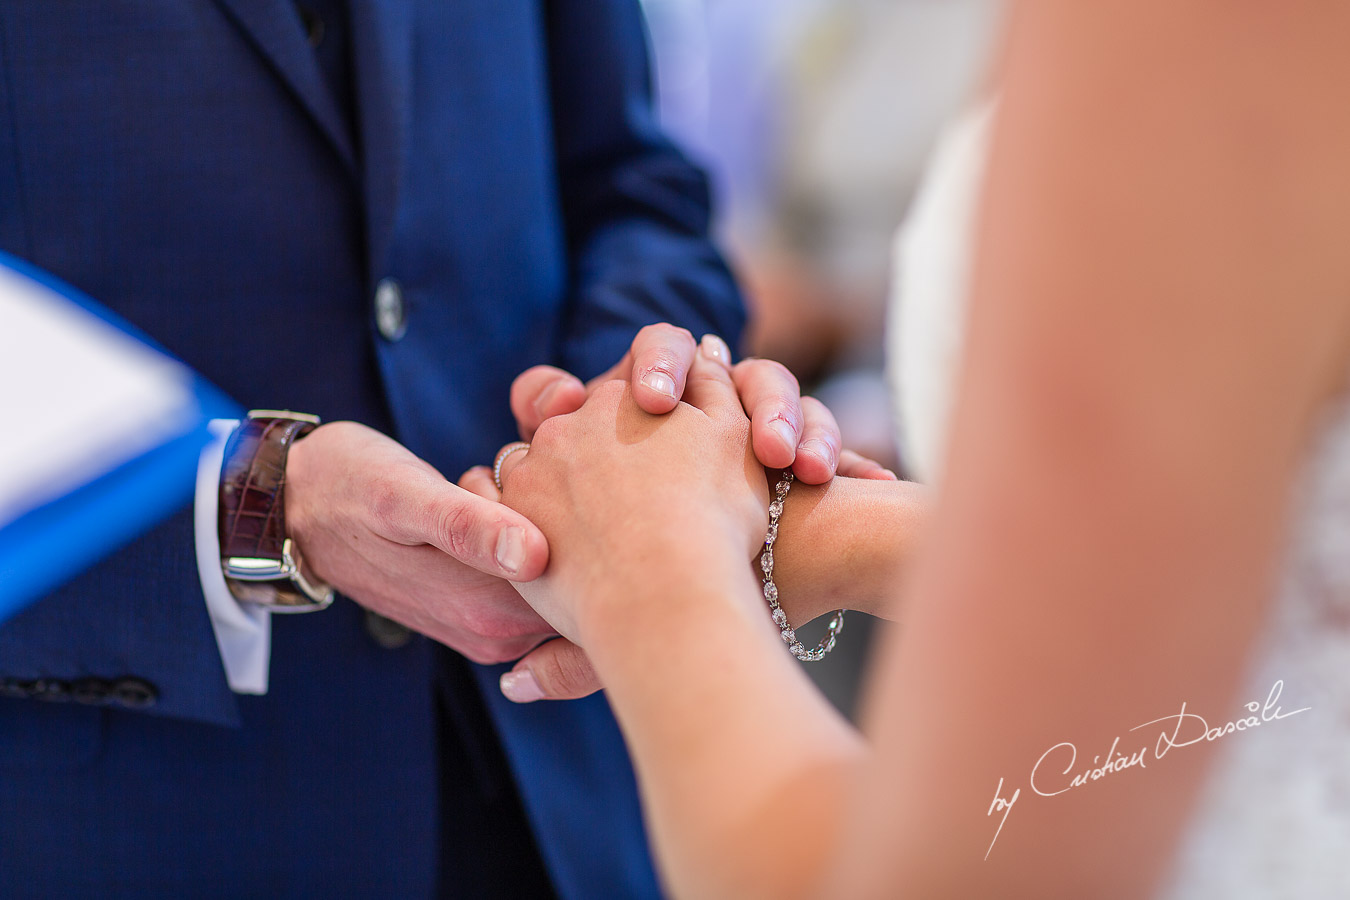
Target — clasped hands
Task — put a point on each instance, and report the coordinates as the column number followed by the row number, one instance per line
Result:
column 388, row 531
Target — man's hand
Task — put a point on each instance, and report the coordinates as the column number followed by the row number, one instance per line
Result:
column 787, row 429
column 387, row 530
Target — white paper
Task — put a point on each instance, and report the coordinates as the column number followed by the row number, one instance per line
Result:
column 78, row 397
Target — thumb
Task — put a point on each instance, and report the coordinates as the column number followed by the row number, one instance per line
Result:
column 478, row 532
column 557, row 670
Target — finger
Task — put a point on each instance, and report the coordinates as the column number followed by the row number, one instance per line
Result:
column 510, row 462
column 855, row 465
column 557, row 670
column 543, row 392
column 818, row 452
column 480, row 533
column 772, row 397
column 662, row 355
column 709, row 385
column 478, row 480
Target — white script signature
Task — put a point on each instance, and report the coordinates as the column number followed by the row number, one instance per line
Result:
column 1187, row 728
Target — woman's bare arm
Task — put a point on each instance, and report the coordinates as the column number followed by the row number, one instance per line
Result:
column 1160, row 308
column 846, row 544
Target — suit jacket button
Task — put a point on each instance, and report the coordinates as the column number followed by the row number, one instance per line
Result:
column 90, row 691
column 134, row 693
column 391, row 313
column 386, row 632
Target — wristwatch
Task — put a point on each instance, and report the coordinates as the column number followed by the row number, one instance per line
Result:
column 262, row 565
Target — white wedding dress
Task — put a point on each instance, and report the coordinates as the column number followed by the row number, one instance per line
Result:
column 1274, row 817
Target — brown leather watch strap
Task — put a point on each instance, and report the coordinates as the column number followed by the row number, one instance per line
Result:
column 253, row 487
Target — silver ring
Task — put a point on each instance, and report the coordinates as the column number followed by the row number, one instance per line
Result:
column 502, row 454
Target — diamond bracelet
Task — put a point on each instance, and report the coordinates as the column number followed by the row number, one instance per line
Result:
column 836, row 623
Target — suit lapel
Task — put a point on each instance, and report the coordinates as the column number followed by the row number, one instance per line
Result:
column 382, row 33
column 273, row 27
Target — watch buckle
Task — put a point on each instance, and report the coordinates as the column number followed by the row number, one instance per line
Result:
column 288, row 568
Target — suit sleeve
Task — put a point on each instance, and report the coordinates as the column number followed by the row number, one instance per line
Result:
column 636, row 211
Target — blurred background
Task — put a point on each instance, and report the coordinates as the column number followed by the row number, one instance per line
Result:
column 815, row 119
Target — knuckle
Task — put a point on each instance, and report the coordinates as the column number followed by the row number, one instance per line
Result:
column 549, row 432
column 516, row 491
column 782, row 405
column 566, row 672
column 662, row 360
column 456, row 523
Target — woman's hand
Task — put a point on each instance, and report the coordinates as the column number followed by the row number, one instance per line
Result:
column 787, row 429
column 627, row 498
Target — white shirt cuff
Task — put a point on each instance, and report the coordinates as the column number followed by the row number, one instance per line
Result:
column 243, row 633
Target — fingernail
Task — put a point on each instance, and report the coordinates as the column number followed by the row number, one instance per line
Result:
column 520, row 687
column 511, row 549
column 894, row 477
column 660, row 382
column 819, row 448
column 714, row 347
column 786, row 431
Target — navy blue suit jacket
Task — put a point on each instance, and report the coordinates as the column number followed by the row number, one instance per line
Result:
column 185, row 162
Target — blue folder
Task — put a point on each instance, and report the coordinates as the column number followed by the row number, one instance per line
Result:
column 52, row 543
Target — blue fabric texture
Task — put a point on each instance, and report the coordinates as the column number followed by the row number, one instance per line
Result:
column 188, row 165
